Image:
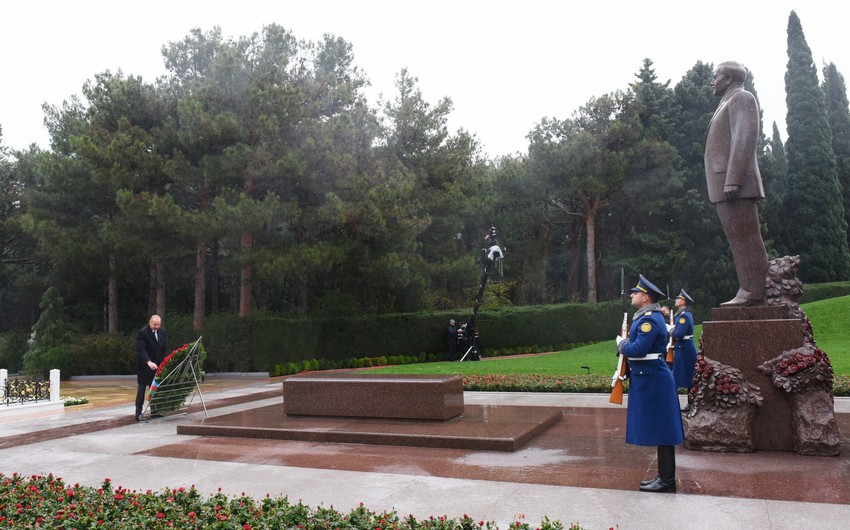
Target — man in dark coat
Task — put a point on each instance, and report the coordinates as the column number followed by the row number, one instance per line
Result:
column 151, row 350
column 451, row 339
column 653, row 416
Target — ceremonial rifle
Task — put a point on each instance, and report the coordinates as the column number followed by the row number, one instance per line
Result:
column 622, row 364
column 671, row 343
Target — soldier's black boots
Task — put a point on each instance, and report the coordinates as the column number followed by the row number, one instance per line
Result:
column 666, row 479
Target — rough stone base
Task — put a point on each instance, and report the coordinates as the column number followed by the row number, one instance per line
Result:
column 815, row 430
column 730, row 431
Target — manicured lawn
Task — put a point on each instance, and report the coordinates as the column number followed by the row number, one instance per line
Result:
column 830, row 321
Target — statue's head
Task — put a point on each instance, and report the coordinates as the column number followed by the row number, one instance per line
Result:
column 737, row 71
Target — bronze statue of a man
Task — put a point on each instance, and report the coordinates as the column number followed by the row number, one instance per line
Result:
column 734, row 181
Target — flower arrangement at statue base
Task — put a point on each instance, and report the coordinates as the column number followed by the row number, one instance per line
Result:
column 176, row 378
column 723, row 407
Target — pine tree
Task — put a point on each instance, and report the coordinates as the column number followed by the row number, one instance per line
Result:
column 814, row 201
column 838, row 112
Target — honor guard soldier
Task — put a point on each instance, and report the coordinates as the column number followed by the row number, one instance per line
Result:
column 685, row 352
column 653, row 416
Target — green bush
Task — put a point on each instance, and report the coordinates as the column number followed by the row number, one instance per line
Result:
column 263, row 341
column 821, row 291
column 13, row 345
column 101, row 354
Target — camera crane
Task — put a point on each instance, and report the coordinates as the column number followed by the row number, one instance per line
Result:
column 491, row 258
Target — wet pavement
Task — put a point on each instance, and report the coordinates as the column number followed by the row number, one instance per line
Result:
column 577, row 470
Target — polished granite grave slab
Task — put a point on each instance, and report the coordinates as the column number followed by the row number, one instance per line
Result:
column 482, row 427
column 365, row 395
column 585, row 449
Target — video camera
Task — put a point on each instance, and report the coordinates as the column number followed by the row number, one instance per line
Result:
column 467, row 339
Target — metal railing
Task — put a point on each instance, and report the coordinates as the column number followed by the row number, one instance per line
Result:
column 21, row 391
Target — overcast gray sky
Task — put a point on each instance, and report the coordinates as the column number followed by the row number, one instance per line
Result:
column 505, row 65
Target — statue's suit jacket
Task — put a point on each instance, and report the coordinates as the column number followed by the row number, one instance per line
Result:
column 730, row 147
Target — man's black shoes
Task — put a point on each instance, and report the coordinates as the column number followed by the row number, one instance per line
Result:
column 660, row 485
column 141, row 418
column 650, row 481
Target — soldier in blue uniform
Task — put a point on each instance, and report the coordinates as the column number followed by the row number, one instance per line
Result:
column 653, row 416
column 684, row 350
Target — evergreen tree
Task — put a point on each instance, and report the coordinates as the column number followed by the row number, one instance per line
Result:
column 652, row 241
column 774, row 173
column 819, row 230
column 48, row 334
column 838, row 111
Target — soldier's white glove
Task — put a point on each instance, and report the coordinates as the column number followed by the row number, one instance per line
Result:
column 670, row 328
column 619, row 339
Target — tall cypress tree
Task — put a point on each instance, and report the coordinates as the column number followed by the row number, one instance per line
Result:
column 819, row 230
column 774, row 173
column 838, row 111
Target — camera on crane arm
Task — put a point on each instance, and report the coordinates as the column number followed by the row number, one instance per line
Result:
column 493, row 252
column 491, row 260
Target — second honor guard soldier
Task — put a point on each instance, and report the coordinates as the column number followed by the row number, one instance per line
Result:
column 653, row 416
column 685, row 352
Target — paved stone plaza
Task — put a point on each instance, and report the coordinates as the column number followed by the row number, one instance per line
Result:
column 578, row 470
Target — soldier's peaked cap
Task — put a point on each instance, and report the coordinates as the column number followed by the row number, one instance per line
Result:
column 646, row 286
column 686, row 296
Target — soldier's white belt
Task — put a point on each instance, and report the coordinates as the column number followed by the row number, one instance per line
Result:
column 687, row 337
column 647, row 357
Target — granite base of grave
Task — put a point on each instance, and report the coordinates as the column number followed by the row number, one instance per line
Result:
column 428, row 397
column 383, row 409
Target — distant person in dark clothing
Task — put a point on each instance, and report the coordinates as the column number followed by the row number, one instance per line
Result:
column 151, row 350
column 451, row 340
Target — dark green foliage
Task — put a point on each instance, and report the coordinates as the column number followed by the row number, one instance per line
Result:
column 101, row 354
column 814, row 193
column 822, row 291
column 774, row 173
column 260, row 159
column 13, row 345
column 838, row 112
column 262, row 342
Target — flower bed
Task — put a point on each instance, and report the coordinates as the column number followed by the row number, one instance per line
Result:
column 537, row 383
column 575, row 383
column 45, row 501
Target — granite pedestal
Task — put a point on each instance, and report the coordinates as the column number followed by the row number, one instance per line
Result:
column 744, row 338
column 383, row 409
column 427, row 397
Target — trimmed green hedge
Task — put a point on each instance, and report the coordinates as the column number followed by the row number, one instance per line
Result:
column 821, row 291
column 262, row 341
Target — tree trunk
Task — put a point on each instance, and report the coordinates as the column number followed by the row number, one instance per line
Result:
column 546, row 237
column 301, row 295
column 200, row 288
column 112, row 295
column 160, row 288
column 246, row 277
column 591, row 211
column 215, row 279
column 200, row 306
